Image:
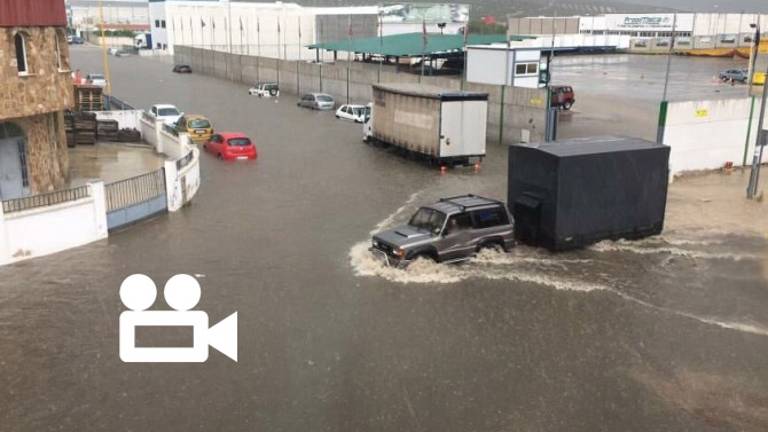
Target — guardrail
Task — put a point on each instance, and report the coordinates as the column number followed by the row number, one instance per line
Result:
column 47, row 199
column 134, row 190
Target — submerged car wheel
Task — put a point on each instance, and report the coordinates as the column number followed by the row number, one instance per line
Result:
column 494, row 246
column 567, row 106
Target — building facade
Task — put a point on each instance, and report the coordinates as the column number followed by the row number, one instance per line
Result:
column 35, row 89
column 85, row 15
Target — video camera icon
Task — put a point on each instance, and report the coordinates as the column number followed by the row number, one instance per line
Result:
column 182, row 292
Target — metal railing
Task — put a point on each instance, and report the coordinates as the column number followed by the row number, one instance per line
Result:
column 134, row 190
column 115, row 104
column 47, row 199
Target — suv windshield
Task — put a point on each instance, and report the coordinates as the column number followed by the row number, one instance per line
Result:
column 167, row 112
column 428, row 219
column 199, row 123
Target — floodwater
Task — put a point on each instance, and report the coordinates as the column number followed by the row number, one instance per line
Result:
column 669, row 333
column 111, row 162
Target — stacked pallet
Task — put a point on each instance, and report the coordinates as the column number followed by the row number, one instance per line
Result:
column 80, row 127
column 89, row 98
column 129, row 135
column 106, row 130
column 69, row 128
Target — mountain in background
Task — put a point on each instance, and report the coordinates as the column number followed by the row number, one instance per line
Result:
column 501, row 8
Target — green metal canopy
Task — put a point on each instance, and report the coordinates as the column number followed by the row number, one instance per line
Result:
column 411, row 44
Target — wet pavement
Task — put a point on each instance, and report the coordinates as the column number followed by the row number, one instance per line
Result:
column 668, row 334
column 111, row 162
column 620, row 93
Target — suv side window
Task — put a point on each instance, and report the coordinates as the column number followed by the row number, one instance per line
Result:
column 490, row 217
column 458, row 222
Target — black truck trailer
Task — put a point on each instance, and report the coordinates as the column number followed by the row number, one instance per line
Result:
column 569, row 194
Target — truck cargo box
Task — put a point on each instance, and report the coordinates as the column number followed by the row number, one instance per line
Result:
column 443, row 125
column 569, row 194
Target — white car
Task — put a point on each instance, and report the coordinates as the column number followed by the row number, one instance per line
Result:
column 169, row 114
column 355, row 113
column 265, row 90
column 96, row 79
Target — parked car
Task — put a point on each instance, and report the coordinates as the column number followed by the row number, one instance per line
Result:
column 355, row 113
column 182, row 68
column 268, row 89
column 96, row 79
column 75, row 40
column 169, row 114
column 231, row 146
column 734, row 75
column 759, row 78
column 562, row 97
column 451, row 230
column 318, row 101
column 197, row 127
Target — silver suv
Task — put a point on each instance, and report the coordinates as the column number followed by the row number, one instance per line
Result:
column 451, row 230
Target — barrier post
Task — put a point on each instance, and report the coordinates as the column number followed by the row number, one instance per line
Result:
column 96, row 189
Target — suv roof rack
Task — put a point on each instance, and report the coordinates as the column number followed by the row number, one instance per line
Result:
column 464, row 207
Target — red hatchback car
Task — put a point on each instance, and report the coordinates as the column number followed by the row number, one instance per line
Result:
column 231, row 146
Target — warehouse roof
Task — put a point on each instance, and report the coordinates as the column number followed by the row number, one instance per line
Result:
column 411, row 44
column 431, row 92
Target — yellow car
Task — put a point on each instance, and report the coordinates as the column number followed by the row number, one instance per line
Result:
column 197, row 127
column 759, row 78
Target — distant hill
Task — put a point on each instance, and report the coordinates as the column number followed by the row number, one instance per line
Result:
column 501, row 8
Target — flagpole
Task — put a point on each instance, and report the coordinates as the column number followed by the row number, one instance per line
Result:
column 424, row 46
column 298, row 63
column 258, row 49
column 381, row 45
column 278, row 50
column 349, row 49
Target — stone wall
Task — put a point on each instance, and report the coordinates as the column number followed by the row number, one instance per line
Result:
column 47, row 155
column 36, row 101
column 47, row 87
column 523, row 107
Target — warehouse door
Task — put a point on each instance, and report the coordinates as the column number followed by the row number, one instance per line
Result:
column 12, row 161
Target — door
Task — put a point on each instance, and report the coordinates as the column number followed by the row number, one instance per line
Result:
column 462, row 129
column 456, row 240
column 11, row 167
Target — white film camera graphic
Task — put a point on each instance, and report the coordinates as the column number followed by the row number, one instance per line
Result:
column 182, row 292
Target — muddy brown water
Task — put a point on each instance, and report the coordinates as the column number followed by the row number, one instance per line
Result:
column 669, row 333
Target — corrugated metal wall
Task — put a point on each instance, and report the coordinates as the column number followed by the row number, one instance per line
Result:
column 29, row 13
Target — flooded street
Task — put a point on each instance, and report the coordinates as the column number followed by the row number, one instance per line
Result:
column 666, row 334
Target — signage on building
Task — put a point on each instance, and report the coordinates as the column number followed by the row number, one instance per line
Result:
column 648, row 22
column 430, row 13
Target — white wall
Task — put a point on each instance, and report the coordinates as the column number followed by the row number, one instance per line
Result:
column 45, row 230
column 125, row 118
column 706, row 134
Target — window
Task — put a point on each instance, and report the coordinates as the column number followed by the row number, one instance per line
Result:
column 162, row 23
column 239, row 142
column 429, row 220
column 157, row 23
column 458, row 223
column 61, row 58
column 526, row 68
column 21, row 54
column 488, row 218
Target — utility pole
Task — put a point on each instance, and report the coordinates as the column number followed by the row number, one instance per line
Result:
column 757, row 159
column 105, row 59
column 664, row 102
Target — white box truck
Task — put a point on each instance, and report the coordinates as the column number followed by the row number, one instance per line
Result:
column 444, row 126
